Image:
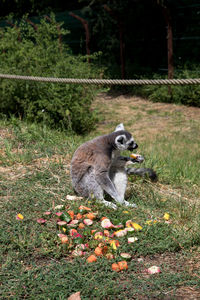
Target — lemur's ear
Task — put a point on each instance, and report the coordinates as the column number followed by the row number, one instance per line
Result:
column 120, row 127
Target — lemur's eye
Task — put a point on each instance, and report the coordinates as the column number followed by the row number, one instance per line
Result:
column 131, row 144
column 120, row 140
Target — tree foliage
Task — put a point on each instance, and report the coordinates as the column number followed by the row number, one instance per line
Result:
column 26, row 50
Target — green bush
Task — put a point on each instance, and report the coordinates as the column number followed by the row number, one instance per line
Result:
column 26, row 51
column 180, row 94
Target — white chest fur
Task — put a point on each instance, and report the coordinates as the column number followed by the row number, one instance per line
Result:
column 120, row 182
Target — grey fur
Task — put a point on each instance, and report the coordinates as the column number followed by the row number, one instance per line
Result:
column 98, row 167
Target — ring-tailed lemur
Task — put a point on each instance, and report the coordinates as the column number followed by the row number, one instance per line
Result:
column 97, row 166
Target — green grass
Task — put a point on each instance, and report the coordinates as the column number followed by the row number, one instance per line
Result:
column 35, row 178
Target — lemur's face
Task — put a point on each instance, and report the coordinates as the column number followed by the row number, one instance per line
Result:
column 123, row 139
column 125, row 142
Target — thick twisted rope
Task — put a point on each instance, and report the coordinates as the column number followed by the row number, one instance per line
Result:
column 105, row 81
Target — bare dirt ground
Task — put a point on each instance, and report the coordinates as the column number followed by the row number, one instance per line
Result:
column 143, row 117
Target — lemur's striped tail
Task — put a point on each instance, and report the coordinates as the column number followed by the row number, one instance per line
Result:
column 143, row 172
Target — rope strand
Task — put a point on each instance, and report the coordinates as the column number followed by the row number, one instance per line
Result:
column 105, row 81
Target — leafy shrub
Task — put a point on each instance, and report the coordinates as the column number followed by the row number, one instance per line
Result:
column 25, row 50
column 181, row 94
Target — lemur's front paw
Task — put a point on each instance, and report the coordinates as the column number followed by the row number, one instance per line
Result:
column 136, row 158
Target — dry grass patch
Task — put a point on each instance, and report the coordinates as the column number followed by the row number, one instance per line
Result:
column 144, row 118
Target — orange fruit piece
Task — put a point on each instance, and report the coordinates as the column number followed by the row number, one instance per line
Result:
column 134, row 156
column 104, row 250
column 98, row 251
column 114, row 242
column 91, row 258
column 109, row 255
column 64, row 240
column 84, row 208
column 90, row 216
column 106, row 233
column 73, row 231
column 81, row 226
column 71, row 213
column 115, row 267
column 79, row 216
column 123, row 265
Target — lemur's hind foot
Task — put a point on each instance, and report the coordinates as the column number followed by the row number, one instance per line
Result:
column 126, row 203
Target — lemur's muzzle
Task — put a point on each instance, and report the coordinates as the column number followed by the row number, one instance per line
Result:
column 132, row 147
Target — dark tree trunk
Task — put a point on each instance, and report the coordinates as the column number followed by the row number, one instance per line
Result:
column 168, row 21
